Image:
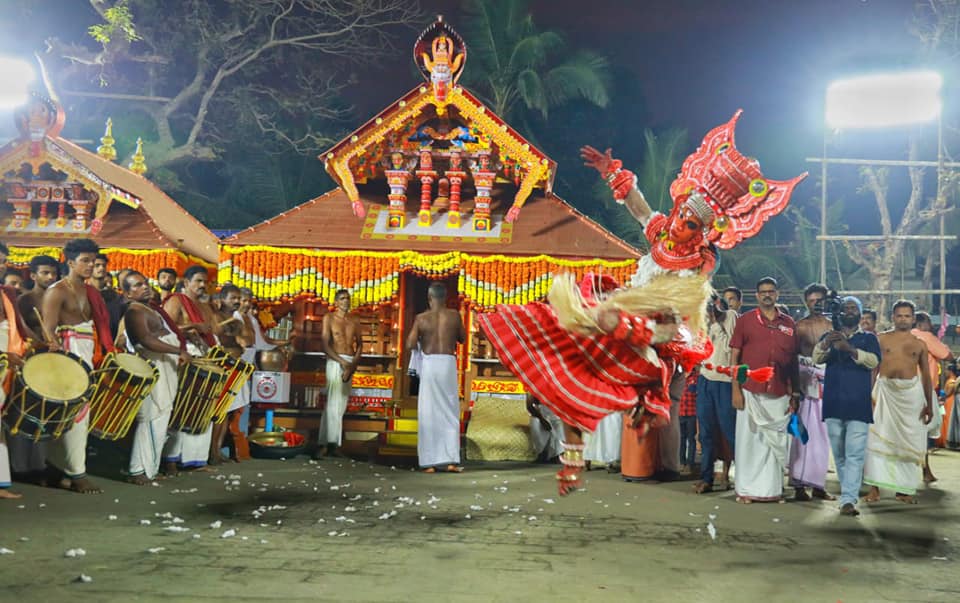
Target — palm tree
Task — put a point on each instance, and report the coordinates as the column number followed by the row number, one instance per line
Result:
column 521, row 67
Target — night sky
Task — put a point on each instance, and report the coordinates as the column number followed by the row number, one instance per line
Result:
column 686, row 63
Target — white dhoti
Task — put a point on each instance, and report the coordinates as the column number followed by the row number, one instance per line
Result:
column 897, row 440
column 549, row 443
column 761, row 445
column 809, row 462
column 154, row 415
column 69, row 452
column 438, row 412
column 338, row 393
column 186, row 449
column 603, row 445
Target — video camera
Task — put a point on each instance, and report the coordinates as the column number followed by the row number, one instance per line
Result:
column 833, row 307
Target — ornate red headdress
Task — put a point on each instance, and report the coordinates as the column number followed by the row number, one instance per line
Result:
column 593, row 286
column 727, row 190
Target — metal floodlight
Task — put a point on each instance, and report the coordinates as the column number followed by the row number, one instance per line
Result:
column 884, row 99
column 17, row 76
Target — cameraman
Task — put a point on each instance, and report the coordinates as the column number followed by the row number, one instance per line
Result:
column 850, row 355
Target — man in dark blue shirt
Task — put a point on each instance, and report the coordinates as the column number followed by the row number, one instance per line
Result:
column 850, row 355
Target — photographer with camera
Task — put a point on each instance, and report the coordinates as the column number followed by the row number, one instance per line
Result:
column 850, row 356
column 809, row 461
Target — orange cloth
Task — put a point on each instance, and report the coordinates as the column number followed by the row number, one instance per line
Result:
column 948, row 413
column 16, row 344
column 937, row 351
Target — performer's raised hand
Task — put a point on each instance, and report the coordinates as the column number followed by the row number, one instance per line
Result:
column 602, row 162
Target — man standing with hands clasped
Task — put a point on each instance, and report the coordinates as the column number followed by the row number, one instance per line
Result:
column 850, row 355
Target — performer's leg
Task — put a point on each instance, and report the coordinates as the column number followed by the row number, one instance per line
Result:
column 707, row 418
column 569, row 478
column 216, row 443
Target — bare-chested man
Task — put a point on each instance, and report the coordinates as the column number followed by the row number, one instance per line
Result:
column 166, row 280
column 904, row 404
column 233, row 338
column 438, row 331
column 809, row 462
column 149, row 335
column 75, row 319
column 343, row 345
column 195, row 320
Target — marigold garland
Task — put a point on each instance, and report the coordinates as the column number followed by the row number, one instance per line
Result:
column 146, row 261
column 373, row 277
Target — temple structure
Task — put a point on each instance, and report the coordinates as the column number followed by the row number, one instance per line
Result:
column 434, row 187
column 52, row 190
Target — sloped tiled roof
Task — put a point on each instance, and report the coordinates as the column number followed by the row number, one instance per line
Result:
column 548, row 225
column 158, row 223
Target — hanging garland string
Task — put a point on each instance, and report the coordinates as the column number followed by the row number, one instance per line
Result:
column 277, row 274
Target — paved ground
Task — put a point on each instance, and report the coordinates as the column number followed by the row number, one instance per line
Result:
column 349, row 531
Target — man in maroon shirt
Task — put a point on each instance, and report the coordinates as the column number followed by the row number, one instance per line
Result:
column 764, row 337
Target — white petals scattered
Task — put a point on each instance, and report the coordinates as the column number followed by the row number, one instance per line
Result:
column 712, row 531
column 229, row 533
column 144, row 522
column 176, row 529
column 83, row 578
column 5, row 551
column 215, row 525
column 156, row 549
column 111, row 517
column 75, row 553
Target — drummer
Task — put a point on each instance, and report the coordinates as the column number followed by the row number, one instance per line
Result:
column 14, row 341
column 150, row 336
column 233, row 338
column 75, row 319
column 28, row 458
column 195, row 319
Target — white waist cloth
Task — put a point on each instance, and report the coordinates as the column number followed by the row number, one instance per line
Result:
column 69, row 452
column 897, row 440
column 811, row 377
column 438, row 412
column 338, row 394
column 154, row 416
column 761, row 446
column 549, row 442
column 603, row 445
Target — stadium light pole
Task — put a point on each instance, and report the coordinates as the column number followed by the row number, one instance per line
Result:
column 884, row 100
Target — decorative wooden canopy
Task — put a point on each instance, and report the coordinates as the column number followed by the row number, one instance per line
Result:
column 54, row 190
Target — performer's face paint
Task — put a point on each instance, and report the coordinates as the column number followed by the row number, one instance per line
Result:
column 685, row 226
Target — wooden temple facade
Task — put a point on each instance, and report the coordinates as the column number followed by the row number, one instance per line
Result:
column 52, row 190
column 434, row 187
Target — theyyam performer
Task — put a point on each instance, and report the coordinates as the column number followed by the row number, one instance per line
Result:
column 597, row 348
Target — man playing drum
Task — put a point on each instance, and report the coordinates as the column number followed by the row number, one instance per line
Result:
column 233, row 338
column 151, row 337
column 195, row 320
column 28, row 458
column 14, row 340
column 75, row 320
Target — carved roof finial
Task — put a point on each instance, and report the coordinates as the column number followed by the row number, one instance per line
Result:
column 138, row 165
column 106, row 149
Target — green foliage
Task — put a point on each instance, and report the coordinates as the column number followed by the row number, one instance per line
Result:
column 516, row 67
column 663, row 156
column 118, row 21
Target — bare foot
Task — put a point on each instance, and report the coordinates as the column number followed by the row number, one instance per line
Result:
column 800, row 495
column 823, row 494
column 138, row 480
column 81, row 485
column 430, row 470
column 874, row 495
column 906, row 498
column 743, row 500
column 170, row 470
column 928, row 476
column 216, row 459
column 4, row 493
column 454, row 469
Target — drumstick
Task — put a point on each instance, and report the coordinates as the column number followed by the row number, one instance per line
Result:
column 43, row 330
column 229, row 320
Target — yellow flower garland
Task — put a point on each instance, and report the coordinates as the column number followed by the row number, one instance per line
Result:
column 373, row 277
